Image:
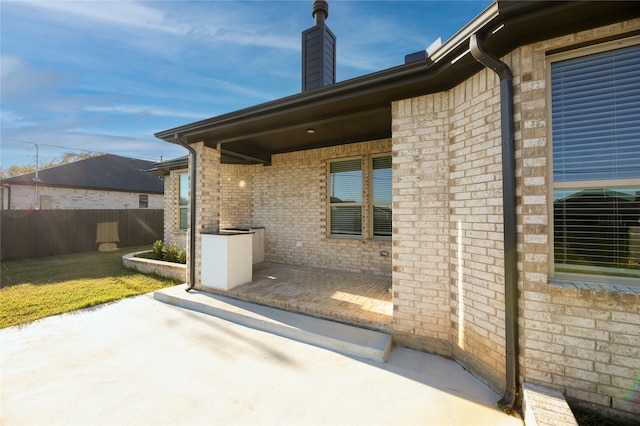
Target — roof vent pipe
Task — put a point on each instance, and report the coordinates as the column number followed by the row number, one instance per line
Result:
column 511, row 396
column 320, row 11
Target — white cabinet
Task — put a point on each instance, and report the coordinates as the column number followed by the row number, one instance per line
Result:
column 227, row 259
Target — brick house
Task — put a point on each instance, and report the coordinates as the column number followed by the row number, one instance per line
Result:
column 103, row 182
column 499, row 258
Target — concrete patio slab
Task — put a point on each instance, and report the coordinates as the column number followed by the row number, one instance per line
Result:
column 140, row 361
column 332, row 335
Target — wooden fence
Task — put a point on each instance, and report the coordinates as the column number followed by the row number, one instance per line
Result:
column 27, row 234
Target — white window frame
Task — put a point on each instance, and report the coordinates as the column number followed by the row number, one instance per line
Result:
column 613, row 183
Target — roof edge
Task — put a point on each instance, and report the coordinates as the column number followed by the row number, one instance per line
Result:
column 408, row 79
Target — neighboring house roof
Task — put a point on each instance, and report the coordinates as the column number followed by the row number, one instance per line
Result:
column 163, row 168
column 105, row 172
column 359, row 109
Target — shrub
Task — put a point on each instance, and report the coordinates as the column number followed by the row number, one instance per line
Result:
column 170, row 253
column 173, row 253
column 158, row 247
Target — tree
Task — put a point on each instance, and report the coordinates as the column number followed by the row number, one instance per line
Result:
column 66, row 158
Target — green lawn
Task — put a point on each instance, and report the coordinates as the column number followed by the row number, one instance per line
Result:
column 36, row 288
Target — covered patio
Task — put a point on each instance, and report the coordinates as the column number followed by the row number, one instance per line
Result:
column 348, row 297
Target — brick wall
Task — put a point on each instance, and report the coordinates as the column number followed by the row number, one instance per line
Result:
column 23, row 198
column 421, row 283
column 579, row 338
column 448, row 259
column 476, row 222
column 237, row 193
column 290, row 200
column 172, row 232
column 582, row 339
column 207, row 175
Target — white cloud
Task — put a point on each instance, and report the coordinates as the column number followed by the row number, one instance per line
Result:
column 173, row 18
column 99, row 74
column 122, row 13
column 19, row 78
column 13, row 119
column 10, row 65
column 251, row 37
column 138, row 109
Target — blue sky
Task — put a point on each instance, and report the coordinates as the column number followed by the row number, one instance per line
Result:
column 105, row 75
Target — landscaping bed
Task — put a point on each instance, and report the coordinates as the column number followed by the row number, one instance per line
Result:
column 175, row 271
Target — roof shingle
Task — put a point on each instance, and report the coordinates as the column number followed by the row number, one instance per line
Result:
column 105, row 172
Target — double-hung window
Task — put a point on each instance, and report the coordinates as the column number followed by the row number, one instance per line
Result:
column 345, row 197
column 350, row 200
column 183, row 200
column 595, row 131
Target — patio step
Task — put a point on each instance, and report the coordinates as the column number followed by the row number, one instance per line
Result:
column 332, row 335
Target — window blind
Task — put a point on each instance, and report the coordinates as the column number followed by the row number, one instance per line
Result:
column 381, row 196
column 346, row 220
column 346, row 197
column 345, row 166
column 596, row 231
column 596, row 116
column 596, row 143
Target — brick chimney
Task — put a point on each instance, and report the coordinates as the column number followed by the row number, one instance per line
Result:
column 318, row 51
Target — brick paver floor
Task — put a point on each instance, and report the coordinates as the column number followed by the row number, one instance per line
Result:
column 349, row 297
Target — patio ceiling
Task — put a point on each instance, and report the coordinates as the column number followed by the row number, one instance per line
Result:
column 352, row 111
column 359, row 109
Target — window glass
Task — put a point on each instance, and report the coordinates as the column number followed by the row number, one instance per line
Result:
column 596, row 116
column 183, row 200
column 381, row 196
column 346, row 220
column 596, row 163
column 345, row 197
column 346, row 181
column 596, row 231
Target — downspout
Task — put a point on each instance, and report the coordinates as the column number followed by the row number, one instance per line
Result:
column 192, row 210
column 511, row 395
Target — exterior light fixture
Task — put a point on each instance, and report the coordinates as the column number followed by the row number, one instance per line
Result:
column 311, row 131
